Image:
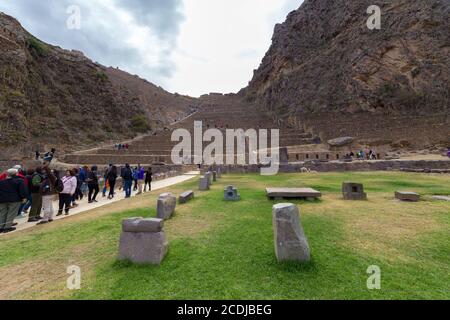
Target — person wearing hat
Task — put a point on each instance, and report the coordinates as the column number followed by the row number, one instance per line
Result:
column 12, row 194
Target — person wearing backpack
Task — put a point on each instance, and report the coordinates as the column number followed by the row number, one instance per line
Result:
column 69, row 182
column 111, row 178
column 127, row 177
column 12, row 194
column 36, row 197
column 48, row 192
column 93, row 185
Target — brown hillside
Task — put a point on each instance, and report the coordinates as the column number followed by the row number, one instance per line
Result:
column 54, row 97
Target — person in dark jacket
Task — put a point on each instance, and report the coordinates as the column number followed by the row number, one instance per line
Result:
column 148, row 179
column 28, row 177
column 36, row 197
column 12, row 194
column 93, row 185
column 111, row 177
column 127, row 177
column 48, row 192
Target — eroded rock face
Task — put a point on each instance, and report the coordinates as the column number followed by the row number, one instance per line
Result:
column 166, row 206
column 326, row 68
column 290, row 240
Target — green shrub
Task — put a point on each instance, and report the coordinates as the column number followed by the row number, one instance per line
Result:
column 102, row 76
column 140, row 123
column 40, row 48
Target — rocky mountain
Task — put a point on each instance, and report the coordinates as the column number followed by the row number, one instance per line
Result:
column 54, row 97
column 327, row 69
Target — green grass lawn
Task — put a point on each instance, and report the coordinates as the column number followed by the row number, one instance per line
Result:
column 225, row 250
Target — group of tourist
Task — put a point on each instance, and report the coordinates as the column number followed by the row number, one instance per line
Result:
column 362, row 155
column 121, row 146
column 32, row 191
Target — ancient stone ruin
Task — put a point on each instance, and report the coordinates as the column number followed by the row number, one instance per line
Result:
column 143, row 241
column 293, row 193
column 407, row 196
column 231, row 194
column 166, row 206
column 353, row 191
column 186, row 197
column 291, row 243
column 203, row 183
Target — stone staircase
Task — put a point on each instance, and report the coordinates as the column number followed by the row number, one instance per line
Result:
column 222, row 113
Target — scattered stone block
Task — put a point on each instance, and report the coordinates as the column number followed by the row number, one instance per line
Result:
column 142, row 225
column 290, row 240
column 441, row 198
column 186, row 197
column 353, row 191
column 407, row 196
column 293, row 193
column 166, row 206
column 231, row 194
column 209, row 175
column 203, row 183
column 143, row 244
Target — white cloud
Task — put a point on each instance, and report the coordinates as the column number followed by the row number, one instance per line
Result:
column 223, row 41
column 187, row 46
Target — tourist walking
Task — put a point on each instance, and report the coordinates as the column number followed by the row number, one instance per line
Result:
column 78, row 194
column 12, row 194
column 111, row 179
column 65, row 197
column 135, row 178
column 148, row 179
column 105, row 177
column 140, row 178
column 28, row 178
column 48, row 192
column 36, row 196
column 93, row 185
column 127, row 177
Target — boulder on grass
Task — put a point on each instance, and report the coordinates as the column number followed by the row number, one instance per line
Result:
column 291, row 243
column 407, row 196
column 143, row 241
column 166, row 206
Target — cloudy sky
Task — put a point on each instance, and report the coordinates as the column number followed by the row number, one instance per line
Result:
column 186, row 46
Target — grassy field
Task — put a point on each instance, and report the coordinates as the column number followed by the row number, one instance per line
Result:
column 221, row 250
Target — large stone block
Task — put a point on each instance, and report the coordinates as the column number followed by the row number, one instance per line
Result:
column 143, row 247
column 353, row 191
column 166, row 206
column 142, row 225
column 407, row 196
column 186, row 196
column 231, row 194
column 295, row 193
column 209, row 176
column 290, row 240
column 203, row 183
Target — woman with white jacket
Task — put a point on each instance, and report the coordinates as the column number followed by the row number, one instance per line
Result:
column 65, row 197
